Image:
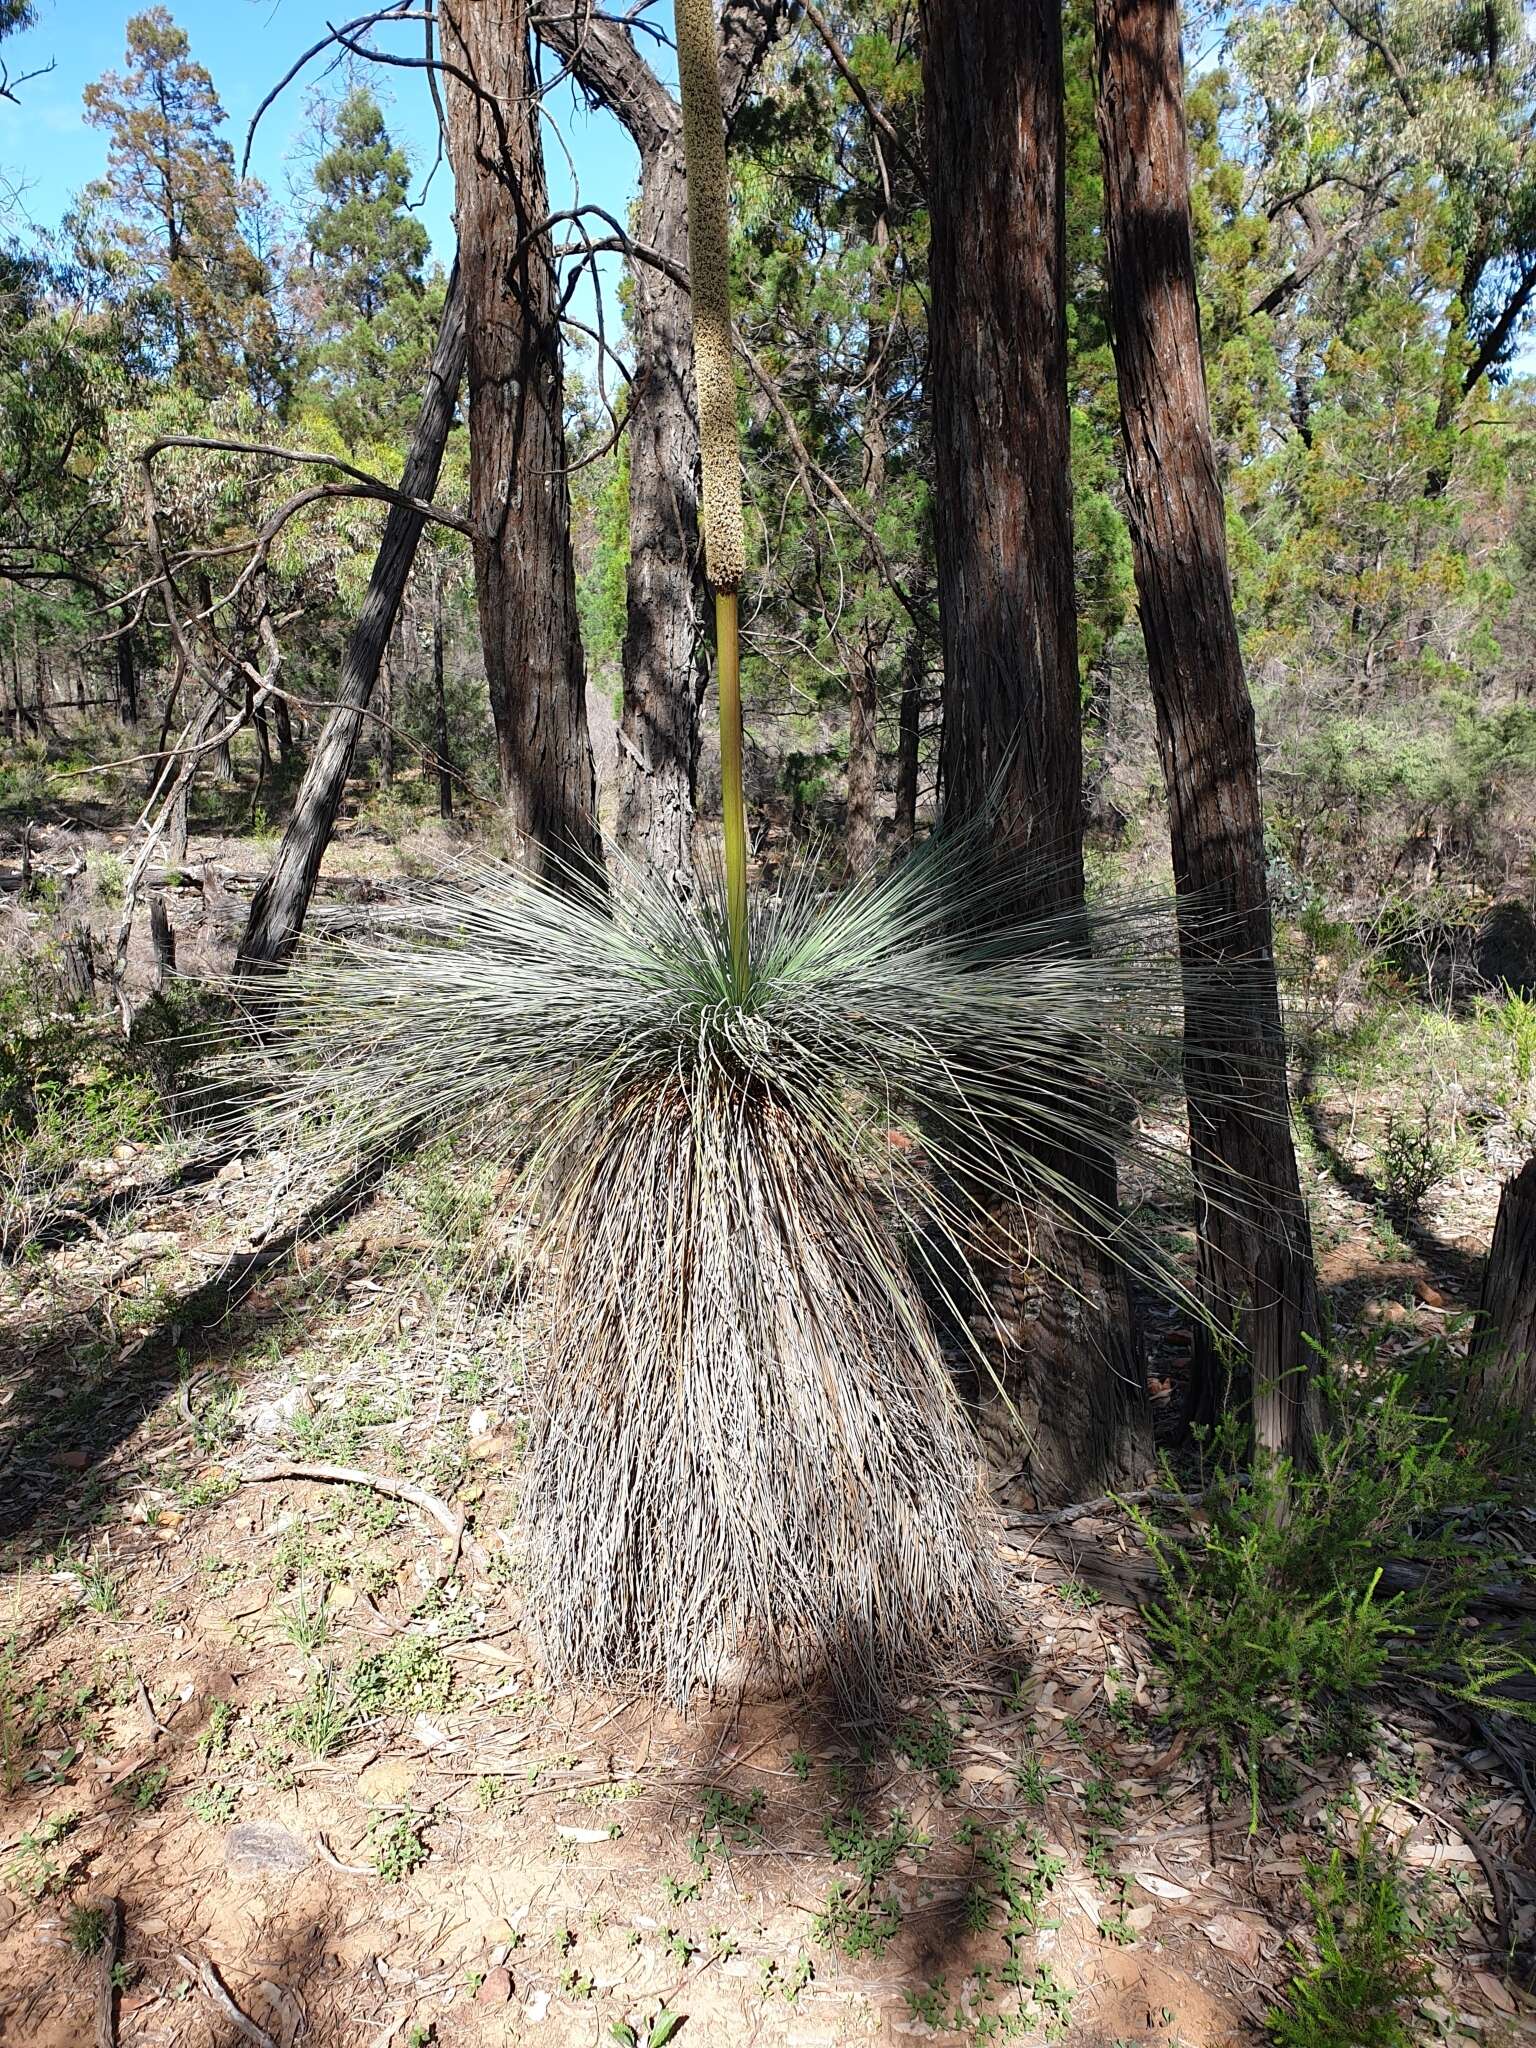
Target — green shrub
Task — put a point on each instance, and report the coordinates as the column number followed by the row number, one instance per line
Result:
column 1411, row 1163
column 1270, row 1613
column 1360, row 1991
column 108, row 874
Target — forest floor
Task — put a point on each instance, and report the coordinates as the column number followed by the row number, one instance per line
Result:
column 292, row 1727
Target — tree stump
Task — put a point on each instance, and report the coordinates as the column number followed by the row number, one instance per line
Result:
column 162, row 939
column 1502, row 1360
column 77, row 967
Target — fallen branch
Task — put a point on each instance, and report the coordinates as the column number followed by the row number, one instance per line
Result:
column 207, row 1977
column 1059, row 1518
column 406, row 1490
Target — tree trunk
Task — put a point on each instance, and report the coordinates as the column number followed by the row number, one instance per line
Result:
column 1257, row 1275
column 127, row 673
column 665, row 656
column 279, row 906
column 384, row 716
column 440, row 707
column 909, row 739
column 863, row 757
column 1502, row 1359
column 284, row 723
column 993, row 100
column 665, row 665
column 525, row 576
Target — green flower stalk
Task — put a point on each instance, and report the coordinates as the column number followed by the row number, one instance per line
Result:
column 709, row 269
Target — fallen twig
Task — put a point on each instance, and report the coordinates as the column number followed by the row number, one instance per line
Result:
column 207, row 1977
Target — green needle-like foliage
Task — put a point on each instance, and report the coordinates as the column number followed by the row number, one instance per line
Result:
column 747, row 1450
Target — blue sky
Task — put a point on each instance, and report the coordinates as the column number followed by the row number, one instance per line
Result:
column 47, row 152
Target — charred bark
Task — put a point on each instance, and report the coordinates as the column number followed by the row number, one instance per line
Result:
column 1256, row 1268
column 280, row 904
column 525, row 576
column 1011, row 751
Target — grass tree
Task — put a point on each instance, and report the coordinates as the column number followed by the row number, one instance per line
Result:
column 760, row 1140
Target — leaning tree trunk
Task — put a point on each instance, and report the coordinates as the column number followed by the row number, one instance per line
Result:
column 1502, row 1360
column 1257, row 1274
column 280, row 904
column 993, row 98
column 525, row 575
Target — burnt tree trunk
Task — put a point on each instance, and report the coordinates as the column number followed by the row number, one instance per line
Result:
column 1502, row 1360
column 1257, row 1276
column 525, row 576
column 279, row 906
column 994, row 109
column 665, row 659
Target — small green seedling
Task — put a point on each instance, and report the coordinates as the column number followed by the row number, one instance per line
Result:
column 657, row 2033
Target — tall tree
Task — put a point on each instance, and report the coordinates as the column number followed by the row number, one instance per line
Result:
column 1012, row 745
column 1256, row 1266
column 663, row 666
column 519, row 494
column 171, row 207
column 369, row 305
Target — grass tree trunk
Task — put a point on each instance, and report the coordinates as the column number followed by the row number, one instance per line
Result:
column 665, row 657
column 282, row 901
column 525, row 577
column 1502, row 1359
column 1257, row 1271
column 993, row 97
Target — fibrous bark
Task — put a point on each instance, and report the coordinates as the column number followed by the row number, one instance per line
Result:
column 525, row 577
column 280, row 904
column 1257, row 1274
column 1011, row 752
column 1502, row 1359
